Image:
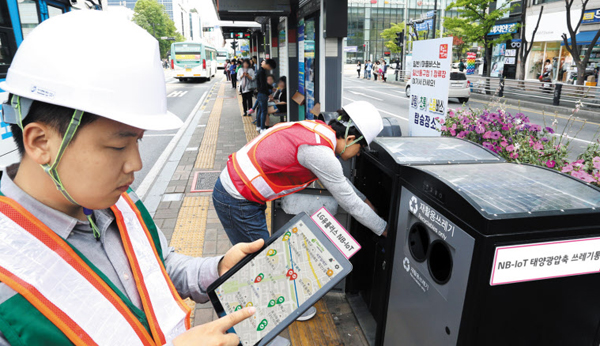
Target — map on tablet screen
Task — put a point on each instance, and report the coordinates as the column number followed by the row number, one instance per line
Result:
column 277, row 281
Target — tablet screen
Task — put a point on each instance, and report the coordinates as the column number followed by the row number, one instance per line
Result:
column 277, row 281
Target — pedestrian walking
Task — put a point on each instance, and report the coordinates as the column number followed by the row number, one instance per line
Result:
column 264, row 89
column 226, row 69
column 358, row 68
column 104, row 273
column 246, row 78
column 461, row 65
column 384, row 71
column 233, row 73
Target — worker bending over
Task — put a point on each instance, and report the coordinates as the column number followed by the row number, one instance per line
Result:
column 81, row 261
column 286, row 159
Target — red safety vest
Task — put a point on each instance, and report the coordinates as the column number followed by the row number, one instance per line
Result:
column 267, row 168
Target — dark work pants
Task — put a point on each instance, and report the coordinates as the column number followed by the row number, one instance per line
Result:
column 247, row 101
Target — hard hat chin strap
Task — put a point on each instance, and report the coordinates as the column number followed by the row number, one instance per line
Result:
column 52, row 170
column 348, row 126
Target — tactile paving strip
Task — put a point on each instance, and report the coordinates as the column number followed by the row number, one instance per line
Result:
column 205, row 181
column 208, row 147
column 188, row 236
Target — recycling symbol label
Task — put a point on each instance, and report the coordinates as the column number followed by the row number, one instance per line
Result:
column 414, row 205
column 406, row 263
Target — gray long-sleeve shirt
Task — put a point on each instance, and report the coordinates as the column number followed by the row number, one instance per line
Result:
column 190, row 275
column 322, row 162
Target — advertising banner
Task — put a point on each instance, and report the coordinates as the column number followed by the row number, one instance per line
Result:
column 429, row 84
column 471, row 56
column 300, row 55
column 309, row 66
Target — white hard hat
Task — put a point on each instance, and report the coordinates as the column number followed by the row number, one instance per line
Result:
column 366, row 118
column 94, row 62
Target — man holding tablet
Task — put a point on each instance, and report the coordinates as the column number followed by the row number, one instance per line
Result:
column 81, row 260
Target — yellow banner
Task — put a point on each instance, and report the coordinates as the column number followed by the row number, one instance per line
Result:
column 187, row 57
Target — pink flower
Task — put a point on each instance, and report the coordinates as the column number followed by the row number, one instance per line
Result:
column 514, row 155
column 550, row 164
column 487, row 135
column 444, row 128
column 479, row 129
column 596, row 161
column 506, row 127
column 567, row 168
column 538, row 146
column 504, row 143
column 453, row 132
column 451, row 113
column 510, row 148
column 462, row 134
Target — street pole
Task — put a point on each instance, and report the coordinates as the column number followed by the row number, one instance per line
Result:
column 434, row 16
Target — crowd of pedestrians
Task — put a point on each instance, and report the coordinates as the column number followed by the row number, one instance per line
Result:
column 375, row 71
column 257, row 81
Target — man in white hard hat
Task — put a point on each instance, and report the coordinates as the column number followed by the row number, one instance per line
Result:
column 288, row 157
column 81, row 261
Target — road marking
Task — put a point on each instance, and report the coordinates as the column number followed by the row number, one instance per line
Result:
column 573, row 138
column 381, row 110
column 178, row 93
column 365, row 95
column 144, row 187
column 545, row 114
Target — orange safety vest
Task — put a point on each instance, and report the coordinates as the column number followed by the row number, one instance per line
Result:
column 45, row 270
column 267, row 168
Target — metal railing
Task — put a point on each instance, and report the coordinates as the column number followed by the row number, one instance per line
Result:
column 550, row 93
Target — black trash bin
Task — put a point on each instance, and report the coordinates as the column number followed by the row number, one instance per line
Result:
column 494, row 254
column 378, row 175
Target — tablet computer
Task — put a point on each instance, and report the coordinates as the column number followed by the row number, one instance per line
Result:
column 297, row 266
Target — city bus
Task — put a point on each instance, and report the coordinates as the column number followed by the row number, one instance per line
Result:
column 193, row 61
column 17, row 19
column 222, row 56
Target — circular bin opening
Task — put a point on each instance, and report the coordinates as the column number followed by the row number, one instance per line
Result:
column 418, row 241
column 440, row 262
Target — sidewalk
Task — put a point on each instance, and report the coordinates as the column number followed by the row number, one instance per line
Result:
column 187, row 216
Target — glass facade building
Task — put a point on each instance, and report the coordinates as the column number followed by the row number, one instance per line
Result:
column 368, row 18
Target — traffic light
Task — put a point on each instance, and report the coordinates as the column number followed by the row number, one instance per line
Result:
column 234, row 45
column 400, row 38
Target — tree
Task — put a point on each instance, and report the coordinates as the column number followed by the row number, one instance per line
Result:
column 525, row 44
column 572, row 47
column 151, row 16
column 476, row 19
column 389, row 35
column 459, row 45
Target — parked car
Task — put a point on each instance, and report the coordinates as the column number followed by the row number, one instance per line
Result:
column 460, row 87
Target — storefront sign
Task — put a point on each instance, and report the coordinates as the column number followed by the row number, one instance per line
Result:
column 351, row 49
column 503, row 29
column 430, row 80
column 552, row 26
column 591, row 16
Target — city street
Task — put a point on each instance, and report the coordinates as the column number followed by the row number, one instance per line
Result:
column 391, row 101
column 182, row 98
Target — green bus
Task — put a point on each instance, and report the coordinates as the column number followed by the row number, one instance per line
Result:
column 193, row 61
